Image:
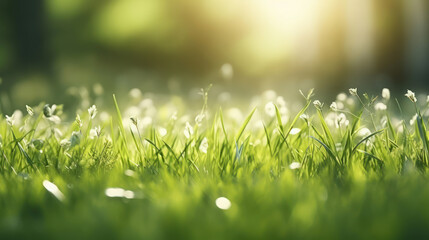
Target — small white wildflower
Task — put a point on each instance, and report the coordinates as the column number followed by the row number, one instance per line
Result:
column 9, row 120
column 385, row 93
column 65, row 143
column 129, row 173
column 304, row 117
column 92, row 111
column 295, row 131
column 146, row 121
column 341, row 120
column 380, row 106
column 146, row 104
column 223, row 203
column 342, row 97
column 350, row 101
column 133, row 111
column 199, row 118
column 281, row 101
column 135, row 93
column 78, row 121
column 54, row 119
column 363, row 132
column 162, row 131
column 104, row 116
column 235, row 114
column 204, row 145
column 270, row 109
column 353, row 91
column 411, row 95
column 95, row 132
column 120, row 193
column 295, row 165
column 30, row 110
column 15, row 119
column 318, row 104
column 334, row 106
column 189, row 130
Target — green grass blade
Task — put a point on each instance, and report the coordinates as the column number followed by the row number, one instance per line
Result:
column 244, row 125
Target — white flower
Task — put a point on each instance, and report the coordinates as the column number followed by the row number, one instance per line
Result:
column 199, row 118
column 411, row 95
column 78, row 121
column 146, row 121
column 30, row 110
column 385, row 93
column 204, row 145
column 353, row 91
column 119, row 193
column 9, row 120
column 162, row 131
column 342, row 97
column 223, row 203
column 317, row 104
column 295, row 131
column 363, row 132
column 189, row 130
column 304, row 117
column 295, row 165
column 281, row 101
column 380, row 106
column 92, row 111
column 135, row 93
column 15, row 118
column 334, row 106
column 341, row 120
column 95, row 132
column 270, row 109
column 54, row 119
column 92, row 133
column 235, row 114
column 65, row 143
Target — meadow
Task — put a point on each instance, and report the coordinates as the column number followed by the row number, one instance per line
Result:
column 144, row 167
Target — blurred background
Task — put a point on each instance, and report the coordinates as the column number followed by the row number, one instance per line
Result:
column 244, row 46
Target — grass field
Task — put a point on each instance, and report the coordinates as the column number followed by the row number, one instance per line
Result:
column 353, row 169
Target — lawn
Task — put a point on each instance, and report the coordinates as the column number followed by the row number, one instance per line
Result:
column 353, row 169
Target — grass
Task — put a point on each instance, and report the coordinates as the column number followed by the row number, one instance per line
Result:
column 354, row 171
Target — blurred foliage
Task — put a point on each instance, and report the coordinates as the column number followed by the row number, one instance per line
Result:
column 270, row 44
